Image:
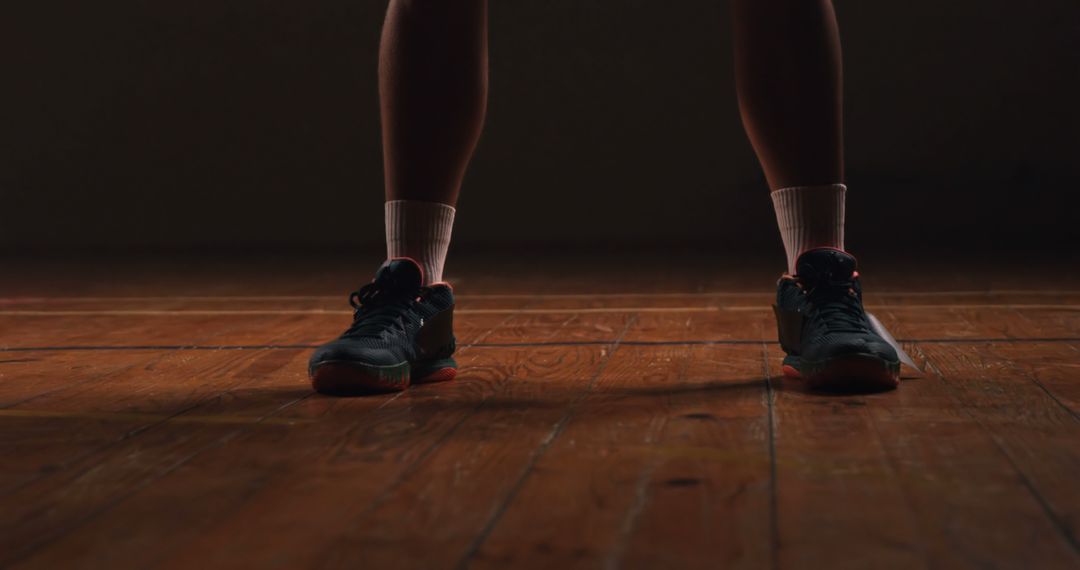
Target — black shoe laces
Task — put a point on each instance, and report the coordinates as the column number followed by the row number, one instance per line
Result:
column 836, row 307
column 377, row 310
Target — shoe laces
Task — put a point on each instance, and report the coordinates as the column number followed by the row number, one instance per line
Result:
column 837, row 307
column 377, row 310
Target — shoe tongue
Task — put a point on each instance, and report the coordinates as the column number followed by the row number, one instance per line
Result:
column 400, row 276
column 825, row 266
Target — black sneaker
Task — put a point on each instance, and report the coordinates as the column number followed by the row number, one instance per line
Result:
column 824, row 329
column 402, row 333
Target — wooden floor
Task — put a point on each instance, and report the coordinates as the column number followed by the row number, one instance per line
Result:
column 155, row 413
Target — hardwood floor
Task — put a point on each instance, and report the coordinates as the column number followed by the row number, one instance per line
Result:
column 156, row 413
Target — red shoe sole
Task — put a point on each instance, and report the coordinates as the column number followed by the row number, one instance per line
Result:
column 440, row 375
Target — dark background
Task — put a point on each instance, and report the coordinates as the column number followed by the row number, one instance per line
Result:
column 254, row 124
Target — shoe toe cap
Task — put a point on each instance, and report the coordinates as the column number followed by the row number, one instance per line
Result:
column 341, row 351
column 848, row 345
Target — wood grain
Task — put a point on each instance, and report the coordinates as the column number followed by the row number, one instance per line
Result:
column 618, row 414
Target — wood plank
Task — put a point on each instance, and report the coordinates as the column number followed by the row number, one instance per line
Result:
column 469, row 302
column 25, row 376
column 830, row 465
column 65, row 478
column 1037, row 434
column 1053, row 367
column 168, row 330
column 138, row 462
column 158, row 305
column 545, row 321
column 623, row 443
column 438, row 510
column 571, row 513
column 21, row 332
column 564, row 327
column 708, row 500
column 309, row 480
column 942, row 490
column 742, row 326
column 148, row 458
column 172, row 447
column 375, row 463
column 989, row 322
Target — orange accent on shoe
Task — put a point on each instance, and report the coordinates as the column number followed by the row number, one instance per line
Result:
column 441, row 375
column 791, row 372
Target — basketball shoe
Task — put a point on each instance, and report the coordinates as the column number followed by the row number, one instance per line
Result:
column 402, row 333
column 824, row 329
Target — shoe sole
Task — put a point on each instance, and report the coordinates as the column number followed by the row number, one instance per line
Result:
column 850, row 373
column 347, row 378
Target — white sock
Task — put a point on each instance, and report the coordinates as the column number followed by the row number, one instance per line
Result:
column 420, row 230
column 809, row 217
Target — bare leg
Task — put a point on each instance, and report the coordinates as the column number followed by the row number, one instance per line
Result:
column 788, row 72
column 788, row 78
column 433, row 93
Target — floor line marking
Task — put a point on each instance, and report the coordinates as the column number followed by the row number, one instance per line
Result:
column 552, row 311
column 973, row 340
column 141, row 417
column 705, row 342
column 770, row 413
column 269, row 298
